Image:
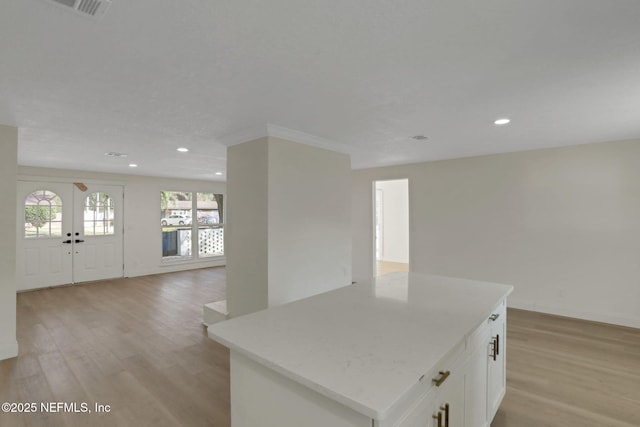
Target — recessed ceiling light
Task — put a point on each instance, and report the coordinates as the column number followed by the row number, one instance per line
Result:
column 502, row 121
column 183, row 150
column 218, row 173
column 133, row 165
column 115, row 154
column 419, row 137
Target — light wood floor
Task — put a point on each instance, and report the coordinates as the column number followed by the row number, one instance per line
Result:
column 138, row 345
column 386, row 267
column 135, row 344
column 566, row 372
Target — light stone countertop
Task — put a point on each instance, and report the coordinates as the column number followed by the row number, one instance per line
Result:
column 365, row 345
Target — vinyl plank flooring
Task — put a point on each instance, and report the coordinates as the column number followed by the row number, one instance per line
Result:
column 569, row 372
column 387, row 267
column 135, row 344
column 138, row 345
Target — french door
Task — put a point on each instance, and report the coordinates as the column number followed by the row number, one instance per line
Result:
column 68, row 233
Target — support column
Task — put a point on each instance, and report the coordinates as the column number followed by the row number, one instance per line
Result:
column 8, row 175
column 288, row 234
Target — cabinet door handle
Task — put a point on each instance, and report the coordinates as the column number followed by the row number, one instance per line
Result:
column 497, row 344
column 443, row 376
column 439, row 418
column 445, row 408
column 494, row 317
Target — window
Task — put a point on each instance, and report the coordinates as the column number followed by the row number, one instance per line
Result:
column 98, row 215
column 176, row 208
column 42, row 215
column 179, row 224
column 210, row 229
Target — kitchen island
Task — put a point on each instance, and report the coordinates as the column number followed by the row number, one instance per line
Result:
column 407, row 350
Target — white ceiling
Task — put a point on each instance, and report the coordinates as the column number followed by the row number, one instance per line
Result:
column 361, row 75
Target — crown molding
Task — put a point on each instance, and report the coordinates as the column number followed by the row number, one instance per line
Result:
column 246, row 135
column 306, row 139
column 275, row 131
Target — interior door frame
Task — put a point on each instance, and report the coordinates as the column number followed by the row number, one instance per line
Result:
column 374, row 195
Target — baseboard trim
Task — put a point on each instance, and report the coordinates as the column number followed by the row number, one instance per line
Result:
column 176, row 267
column 8, row 350
column 630, row 322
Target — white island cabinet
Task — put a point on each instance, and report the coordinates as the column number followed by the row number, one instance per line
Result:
column 409, row 350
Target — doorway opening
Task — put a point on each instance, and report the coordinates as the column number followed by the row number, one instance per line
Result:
column 391, row 226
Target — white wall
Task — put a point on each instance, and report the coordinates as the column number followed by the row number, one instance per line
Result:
column 289, row 230
column 395, row 216
column 142, row 237
column 309, row 221
column 562, row 225
column 246, row 241
column 8, row 172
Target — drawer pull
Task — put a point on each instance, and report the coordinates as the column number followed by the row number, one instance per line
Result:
column 494, row 349
column 439, row 418
column 445, row 408
column 443, row 376
column 494, row 317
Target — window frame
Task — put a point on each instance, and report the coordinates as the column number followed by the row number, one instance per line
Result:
column 108, row 208
column 194, row 227
column 56, row 208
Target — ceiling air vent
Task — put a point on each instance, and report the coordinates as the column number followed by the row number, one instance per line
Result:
column 92, row 8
